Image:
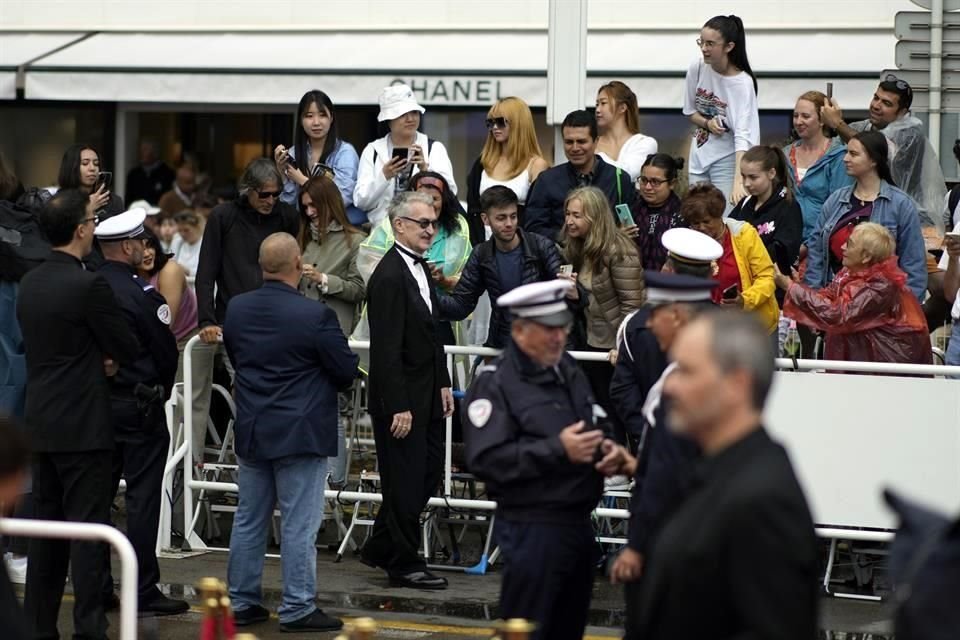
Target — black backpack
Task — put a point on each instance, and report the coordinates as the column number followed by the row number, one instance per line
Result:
column 23, row 244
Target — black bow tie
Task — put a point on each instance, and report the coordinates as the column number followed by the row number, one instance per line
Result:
column 416, row 259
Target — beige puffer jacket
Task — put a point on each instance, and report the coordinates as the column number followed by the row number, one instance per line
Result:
column 617, row 291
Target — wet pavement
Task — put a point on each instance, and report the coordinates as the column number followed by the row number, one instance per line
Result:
column 466, row 610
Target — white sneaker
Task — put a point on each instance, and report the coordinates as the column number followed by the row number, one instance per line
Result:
column 16, row 568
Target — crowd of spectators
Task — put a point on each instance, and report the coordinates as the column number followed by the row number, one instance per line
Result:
column 837, row 230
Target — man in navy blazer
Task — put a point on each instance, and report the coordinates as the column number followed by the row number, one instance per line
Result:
column 290, row 358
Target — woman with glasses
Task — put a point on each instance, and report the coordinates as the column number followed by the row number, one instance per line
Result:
column 387, row 164
column 656, row 208
column 329, row 245
column 80, row 169
column 621, row 143
column 721, row 102
column 511, row 157
column 871, row 198
column 316, row 139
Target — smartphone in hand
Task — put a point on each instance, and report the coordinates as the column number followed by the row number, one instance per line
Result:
column 624, row 215
column 402, row 153
column 730, row 293
column 104, row 180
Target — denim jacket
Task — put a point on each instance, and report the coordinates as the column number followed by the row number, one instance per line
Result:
column 895, row 210
column 824, row 176
column 343, row 160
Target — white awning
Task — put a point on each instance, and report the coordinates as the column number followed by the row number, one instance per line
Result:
column 444, row 68
column 17, row 49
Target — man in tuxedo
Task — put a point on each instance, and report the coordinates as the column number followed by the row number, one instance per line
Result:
column 75, row 337
column 409, row 392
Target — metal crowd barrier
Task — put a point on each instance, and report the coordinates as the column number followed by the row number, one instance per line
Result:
column 90, row 532
column 826, row 528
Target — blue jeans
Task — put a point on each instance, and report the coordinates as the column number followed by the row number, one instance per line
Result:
column 720, row 174
column 297, row 483
column 953, row 349
column 338, row 464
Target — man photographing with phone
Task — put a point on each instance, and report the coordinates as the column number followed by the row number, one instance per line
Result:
column 913, row 162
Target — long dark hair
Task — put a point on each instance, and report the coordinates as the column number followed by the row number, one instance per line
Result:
column 771, row 157
column 69, row 175
column 731, row 29
column 875, row 144
column 300, row 138
column 161, row 259
column 449, row 207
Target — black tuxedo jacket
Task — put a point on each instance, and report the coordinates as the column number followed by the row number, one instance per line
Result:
column 407, row 364
column 70, row 322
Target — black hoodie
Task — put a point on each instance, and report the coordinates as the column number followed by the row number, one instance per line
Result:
column 230, row 253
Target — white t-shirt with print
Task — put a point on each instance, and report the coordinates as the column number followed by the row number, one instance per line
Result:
column 732, row 98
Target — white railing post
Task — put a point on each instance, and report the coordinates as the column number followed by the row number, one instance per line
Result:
column 90, row 532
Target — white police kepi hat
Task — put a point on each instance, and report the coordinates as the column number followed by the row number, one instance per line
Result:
column 124, row 226
column 542, row 302
column 691, row 247
column 664, row 287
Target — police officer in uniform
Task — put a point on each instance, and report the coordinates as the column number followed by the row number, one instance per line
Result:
column 137, row 395
column 532, row 436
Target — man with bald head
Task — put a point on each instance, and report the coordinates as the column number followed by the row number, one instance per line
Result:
column 290, row 358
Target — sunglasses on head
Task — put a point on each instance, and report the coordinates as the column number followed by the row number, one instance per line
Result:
column 902, row 85
column 499, row 123
column 263, row 195
column 321, row 169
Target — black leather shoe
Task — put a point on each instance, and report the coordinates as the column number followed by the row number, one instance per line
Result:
column 250, row 615
column 164, row 606
column 316, row 621
column 418, row 580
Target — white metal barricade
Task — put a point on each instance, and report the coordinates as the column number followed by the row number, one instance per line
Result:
column 785, row 420
column 90, row 532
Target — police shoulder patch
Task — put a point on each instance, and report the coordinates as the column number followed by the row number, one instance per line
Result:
column 479, row 412
column 163, row 314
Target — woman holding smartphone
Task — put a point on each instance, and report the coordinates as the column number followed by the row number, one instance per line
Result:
column 316, row 139
column 329, row 245
column 387, row 164
column 656, row 208
column 745, row 271
column 511, row 157
column 607, row 266
column 721, row 101
column 621, row 143
column 80, row 169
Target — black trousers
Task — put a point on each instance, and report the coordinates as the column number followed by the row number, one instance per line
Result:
column 547, row 575
column 140, row 454
column 73, row 487
column 410, row 470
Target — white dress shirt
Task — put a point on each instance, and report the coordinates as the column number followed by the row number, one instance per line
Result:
column 419, row 274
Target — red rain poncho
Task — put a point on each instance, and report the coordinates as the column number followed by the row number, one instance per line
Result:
column 868, row 316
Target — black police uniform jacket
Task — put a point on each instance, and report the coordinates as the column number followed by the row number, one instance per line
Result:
column 640, row 362
column 515, row 413
column 148, row 315
column 70, row 323
column 737, row 558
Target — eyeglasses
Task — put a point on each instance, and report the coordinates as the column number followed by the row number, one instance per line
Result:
column 709, row 44
column 321, row 169
column 95, row 220
column 653, row 182
column 902, row 85
column 263, row 195
column 423, row 223
column 499, row 123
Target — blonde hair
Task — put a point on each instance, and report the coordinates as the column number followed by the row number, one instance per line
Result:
column 619, row 93
column 875, row 241
column 605, row 243
column 818, row 99
column 522, row 144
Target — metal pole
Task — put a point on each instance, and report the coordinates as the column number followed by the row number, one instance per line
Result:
column 936, row 72
column 90, row 532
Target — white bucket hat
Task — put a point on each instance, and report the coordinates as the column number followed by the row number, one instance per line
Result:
column 397, row 100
